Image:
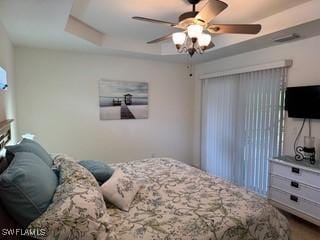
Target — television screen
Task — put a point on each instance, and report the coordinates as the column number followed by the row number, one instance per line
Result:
column 3, row 79
column 303, row 102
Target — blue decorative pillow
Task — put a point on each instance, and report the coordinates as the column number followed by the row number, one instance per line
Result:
column 31, row 146
column 99, row 169
column 27, row 187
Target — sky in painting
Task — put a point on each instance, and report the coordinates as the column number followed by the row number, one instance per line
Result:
column 119, row 88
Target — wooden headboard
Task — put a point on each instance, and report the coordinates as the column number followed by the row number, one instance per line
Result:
column 5, row 132
column 5, row 136
column 6, row 221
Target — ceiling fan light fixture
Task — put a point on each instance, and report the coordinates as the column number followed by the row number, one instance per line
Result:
column 196, row 25
column 195, row 30
column 179, row 38
column 204, row 40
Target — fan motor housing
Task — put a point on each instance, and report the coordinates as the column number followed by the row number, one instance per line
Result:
column 187, row 15
column 193, row 2
column 188, row 18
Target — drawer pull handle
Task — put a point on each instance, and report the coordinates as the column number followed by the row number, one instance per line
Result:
column 294, row 184
column 293, row 198
column 295, row 170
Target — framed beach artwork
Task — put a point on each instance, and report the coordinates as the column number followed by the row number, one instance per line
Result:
column 123, row 100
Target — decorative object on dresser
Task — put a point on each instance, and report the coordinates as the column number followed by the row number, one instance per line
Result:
column 295, row 187
column 308, row 151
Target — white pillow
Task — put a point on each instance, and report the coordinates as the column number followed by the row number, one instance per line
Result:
column 120, row 189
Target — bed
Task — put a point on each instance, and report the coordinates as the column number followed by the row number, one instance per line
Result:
column 176, row 201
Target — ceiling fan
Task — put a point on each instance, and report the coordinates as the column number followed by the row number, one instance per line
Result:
column 199, row 28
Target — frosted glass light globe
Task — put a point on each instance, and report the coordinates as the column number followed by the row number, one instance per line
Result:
column 179, row 38
column 194, row 31
column 204, row 40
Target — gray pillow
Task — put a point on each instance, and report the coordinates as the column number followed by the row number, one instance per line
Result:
column 31, row 146
column 27, row 187
column 99, row 169
column 3, row 164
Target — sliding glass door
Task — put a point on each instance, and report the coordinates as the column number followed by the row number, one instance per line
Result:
column 242, row 126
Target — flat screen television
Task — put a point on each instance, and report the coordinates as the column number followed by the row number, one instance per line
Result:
column 3, row 79
column 303, row 102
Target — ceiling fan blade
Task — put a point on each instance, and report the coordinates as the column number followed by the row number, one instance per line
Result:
column 212, row 9
column 170, row 24
column 235, row 28
column 160, row 39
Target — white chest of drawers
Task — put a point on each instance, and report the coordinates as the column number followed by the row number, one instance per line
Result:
column 295, row 187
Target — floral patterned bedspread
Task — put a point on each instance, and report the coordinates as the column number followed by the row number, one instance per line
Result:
column 181, row 202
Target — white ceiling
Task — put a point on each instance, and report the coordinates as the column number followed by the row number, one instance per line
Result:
column 41, row 23
column 115, row 17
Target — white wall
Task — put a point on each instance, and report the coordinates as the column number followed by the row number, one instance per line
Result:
column 57, row 100
column 7, row 101
column 305, row 71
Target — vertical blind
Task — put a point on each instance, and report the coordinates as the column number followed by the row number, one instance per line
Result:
column 242, row 121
